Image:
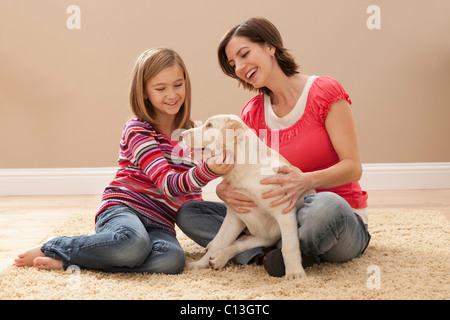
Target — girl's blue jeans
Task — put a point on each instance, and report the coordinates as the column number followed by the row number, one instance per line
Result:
column 328, row 230
column 123, row 242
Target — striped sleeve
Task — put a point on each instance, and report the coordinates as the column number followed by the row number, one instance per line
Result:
column 141, row 148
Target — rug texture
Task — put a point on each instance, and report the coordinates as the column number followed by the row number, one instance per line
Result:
column 408, row 258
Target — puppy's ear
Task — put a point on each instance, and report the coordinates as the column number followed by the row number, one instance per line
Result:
column 239, row 135
column 238, row 129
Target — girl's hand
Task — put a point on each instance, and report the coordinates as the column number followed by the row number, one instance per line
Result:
column 221, row 164
column 293, row 184
column 234, row 199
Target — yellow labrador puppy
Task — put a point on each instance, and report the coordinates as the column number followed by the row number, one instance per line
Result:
column 253, row 161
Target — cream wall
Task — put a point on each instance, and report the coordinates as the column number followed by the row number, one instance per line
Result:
column 64, row 93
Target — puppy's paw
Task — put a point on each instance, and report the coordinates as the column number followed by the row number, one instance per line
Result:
column 218, row 259
column 196, row 265
column 299, row 274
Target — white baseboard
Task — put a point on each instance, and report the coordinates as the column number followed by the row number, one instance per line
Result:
column 77, row 181
column 406, row 176
column 54, row 181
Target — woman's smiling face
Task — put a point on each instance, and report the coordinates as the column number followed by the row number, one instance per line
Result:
column 252, row 62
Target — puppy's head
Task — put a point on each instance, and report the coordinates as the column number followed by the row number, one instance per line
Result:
column 218, row 133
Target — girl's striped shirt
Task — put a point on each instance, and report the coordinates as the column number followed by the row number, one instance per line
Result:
column 154, row 178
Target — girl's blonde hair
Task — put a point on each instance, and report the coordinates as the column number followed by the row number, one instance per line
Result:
column 148, row 65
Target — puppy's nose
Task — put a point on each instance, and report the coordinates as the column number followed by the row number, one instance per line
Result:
column 185, row 133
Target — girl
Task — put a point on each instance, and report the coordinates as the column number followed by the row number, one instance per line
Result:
column 135, row 221
column 316, row 134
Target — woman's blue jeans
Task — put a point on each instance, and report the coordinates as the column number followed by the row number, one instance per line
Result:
column 328, row 230
column 123, row 242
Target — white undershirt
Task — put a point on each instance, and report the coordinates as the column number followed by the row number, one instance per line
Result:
column 275, row 122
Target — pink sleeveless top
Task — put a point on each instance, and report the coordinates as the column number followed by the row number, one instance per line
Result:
column 306, row 143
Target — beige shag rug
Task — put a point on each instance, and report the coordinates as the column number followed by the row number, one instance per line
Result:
column 408, row 258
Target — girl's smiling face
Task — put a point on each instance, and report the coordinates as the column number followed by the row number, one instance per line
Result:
column 166, row 91
column 252, row 62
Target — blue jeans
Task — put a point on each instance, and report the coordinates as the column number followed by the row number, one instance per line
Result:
column 123, row 242
column 329, row 230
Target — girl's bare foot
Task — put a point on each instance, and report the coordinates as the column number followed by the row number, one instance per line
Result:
column 26, row 259
column 48, row 263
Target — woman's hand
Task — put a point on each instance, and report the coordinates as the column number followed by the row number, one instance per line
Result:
column 234, row 199
column 293, row 184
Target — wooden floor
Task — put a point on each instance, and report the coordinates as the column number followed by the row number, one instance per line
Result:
column 26, row 221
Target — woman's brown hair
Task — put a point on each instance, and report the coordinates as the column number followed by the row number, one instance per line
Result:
column 148, row 65
column 257, row 30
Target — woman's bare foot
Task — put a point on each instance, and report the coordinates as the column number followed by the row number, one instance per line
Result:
column 48, row 263
column 26, row 259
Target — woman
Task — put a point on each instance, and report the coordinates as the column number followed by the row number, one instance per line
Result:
column 312, row 117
